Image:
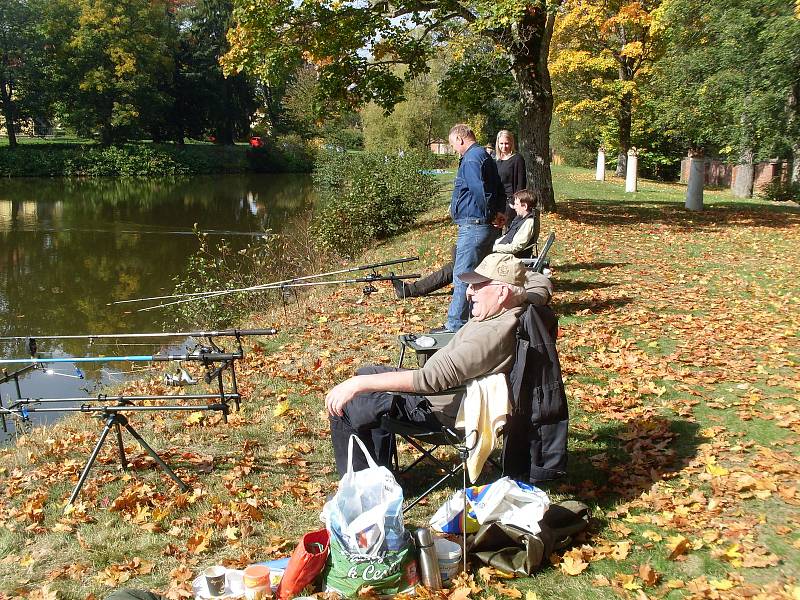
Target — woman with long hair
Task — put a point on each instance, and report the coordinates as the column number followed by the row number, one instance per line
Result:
column 511, row 167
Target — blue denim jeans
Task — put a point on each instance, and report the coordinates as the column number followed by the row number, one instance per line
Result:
column 474, row 242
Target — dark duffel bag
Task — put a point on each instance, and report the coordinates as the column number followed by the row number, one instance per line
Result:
column 516, row 550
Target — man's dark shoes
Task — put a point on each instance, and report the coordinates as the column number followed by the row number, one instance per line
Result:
column 400, row 288
column 442, row 329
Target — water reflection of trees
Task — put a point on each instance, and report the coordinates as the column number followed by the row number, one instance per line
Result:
column 242, row 202
column 59, row 272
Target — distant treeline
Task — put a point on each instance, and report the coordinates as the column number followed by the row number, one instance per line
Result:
column 149, row 160
column 134, row 70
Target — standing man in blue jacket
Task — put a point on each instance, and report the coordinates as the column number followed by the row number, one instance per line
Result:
column 477, row 204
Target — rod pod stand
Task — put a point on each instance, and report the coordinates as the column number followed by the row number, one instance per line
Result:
column 116, row 420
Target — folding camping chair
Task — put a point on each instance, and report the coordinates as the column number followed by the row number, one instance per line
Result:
column 542, row 436
column 426, row 441
column 538, row 261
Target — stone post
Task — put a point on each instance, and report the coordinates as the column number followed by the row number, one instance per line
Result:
column 694, row 189
column 600, row 174
column 631, row 174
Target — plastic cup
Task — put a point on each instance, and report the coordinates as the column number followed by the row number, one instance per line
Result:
column 215, row 580
column 256, row 582
column 449, row 555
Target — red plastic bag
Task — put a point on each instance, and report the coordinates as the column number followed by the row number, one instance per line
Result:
column 307, row 561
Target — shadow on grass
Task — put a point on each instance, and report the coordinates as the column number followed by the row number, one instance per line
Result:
column 618, row 462
column 607, row 465
column 589, row 212
column 590, row 306
column 571, row 285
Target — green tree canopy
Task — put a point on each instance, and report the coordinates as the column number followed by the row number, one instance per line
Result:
column 24, row 63
column 210, row 102
column 415, row 121
column 356, row 45
column 120, row 61
column 602, row 49
column 727, row 72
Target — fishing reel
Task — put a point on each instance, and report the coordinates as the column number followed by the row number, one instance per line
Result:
column 180, row 378
column 369, row 288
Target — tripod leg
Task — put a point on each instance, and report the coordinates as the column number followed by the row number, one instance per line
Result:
column 112, row 420
column 234, row 385
column 122, row 460
column 159, row 461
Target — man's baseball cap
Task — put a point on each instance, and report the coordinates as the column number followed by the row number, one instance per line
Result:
column 497, row 267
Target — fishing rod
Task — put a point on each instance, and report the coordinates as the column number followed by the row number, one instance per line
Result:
column 254, row 288
column 215, row 360
column 254, row 234
column 205, row 357
column 368, row 289
column 22, row 406
column 98, row 336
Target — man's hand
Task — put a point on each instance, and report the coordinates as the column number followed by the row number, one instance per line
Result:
column 499, row 220
column 341, row 395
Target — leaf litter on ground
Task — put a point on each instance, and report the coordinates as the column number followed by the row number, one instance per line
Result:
column 679, row 346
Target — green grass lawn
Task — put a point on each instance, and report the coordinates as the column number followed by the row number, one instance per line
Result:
column 679, row 344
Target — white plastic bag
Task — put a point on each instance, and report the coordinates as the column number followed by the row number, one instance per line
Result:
column 366, row 513
column 504, row 500
column 509, row 502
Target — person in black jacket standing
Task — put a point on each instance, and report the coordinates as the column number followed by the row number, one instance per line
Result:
column 510, row 167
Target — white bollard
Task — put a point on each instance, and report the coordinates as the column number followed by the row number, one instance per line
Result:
column 631, row 175
column 694, row 188
column 600, row 174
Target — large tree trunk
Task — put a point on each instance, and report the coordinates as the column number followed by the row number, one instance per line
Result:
column 624, row 116
column 529, row 54
column 224, row 133
column 794, row 129
column 8, row 112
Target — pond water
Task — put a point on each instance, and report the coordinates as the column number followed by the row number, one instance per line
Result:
column 68, row 248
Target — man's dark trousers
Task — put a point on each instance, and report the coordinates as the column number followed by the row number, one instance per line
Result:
column 362, row 417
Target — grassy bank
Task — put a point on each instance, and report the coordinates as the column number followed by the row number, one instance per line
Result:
column 679, row 342
column 144, row 159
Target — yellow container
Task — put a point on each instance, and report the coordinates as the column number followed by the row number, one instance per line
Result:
column 256, row 582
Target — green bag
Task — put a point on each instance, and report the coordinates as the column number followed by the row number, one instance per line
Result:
column 388, row 573
column 516, row 550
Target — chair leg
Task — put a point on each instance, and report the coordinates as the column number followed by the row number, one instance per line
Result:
column 425, row 454
column 464, row 453
column 445, row 477
column 394, row 461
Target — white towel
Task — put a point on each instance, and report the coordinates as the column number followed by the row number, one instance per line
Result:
column 482, row 414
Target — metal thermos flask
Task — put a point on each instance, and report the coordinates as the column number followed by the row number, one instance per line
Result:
column 428, row 561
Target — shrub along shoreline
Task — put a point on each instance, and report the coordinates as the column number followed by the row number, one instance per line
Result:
column 146, row 159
